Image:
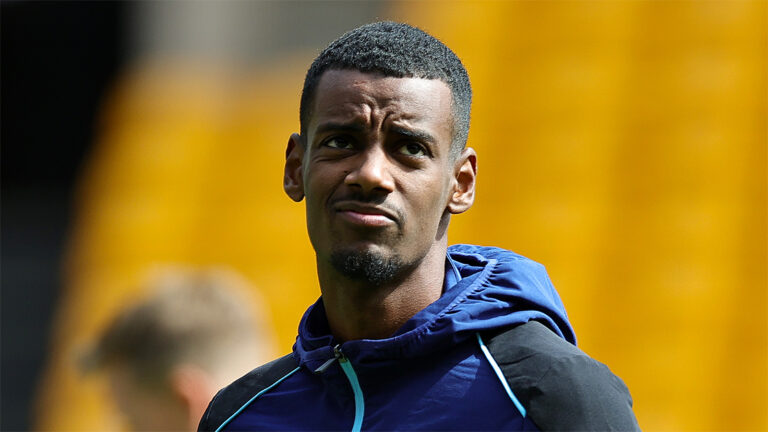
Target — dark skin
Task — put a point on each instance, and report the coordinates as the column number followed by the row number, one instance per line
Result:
column 379, row 177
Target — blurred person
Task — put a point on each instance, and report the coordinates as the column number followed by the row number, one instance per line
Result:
column 410, row 334
column 166, row 356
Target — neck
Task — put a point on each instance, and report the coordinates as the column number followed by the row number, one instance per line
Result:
column 356, row 310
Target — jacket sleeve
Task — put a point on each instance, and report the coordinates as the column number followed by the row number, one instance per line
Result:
column 578, row 393
column 561, row 387
column 230, row 399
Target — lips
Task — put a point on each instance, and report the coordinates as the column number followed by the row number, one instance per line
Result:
column 364, row 214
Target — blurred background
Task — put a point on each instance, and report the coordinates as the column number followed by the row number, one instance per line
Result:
column 623, row 144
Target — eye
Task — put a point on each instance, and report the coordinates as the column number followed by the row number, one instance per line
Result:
column 339, row 143
column 413, row 149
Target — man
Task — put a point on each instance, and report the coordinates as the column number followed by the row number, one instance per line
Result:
column 167, row 355
column 410, row 334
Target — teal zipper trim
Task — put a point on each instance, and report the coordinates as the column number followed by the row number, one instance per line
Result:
column 245, row 405
column 500, row 375
column 346, row 366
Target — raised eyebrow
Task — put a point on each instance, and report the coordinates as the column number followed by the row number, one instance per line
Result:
column 416, row 134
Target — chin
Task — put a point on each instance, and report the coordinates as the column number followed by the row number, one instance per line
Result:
column 367, row 264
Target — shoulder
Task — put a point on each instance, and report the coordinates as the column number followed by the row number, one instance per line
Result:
column 561, row 387
column 234, row 396
column 491, row 252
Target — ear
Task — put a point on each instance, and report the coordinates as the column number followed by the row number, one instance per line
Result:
column 465, row 173
column 293, row 179
column 194, row 388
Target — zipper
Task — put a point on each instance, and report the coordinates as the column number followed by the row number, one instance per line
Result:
column 329, row 362
column 346, row 366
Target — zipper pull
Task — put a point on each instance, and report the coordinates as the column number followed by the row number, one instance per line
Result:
column 337, row 355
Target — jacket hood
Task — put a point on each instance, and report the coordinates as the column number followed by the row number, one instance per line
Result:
column 486, row 289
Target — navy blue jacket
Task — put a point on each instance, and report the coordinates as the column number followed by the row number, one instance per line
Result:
column 434, row 373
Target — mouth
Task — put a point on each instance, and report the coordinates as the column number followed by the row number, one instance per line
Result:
column 364, row 214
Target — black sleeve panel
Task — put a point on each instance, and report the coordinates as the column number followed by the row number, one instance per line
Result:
column 561, row 388
column 229, row 399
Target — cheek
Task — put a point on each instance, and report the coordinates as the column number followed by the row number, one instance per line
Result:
column 320, row 180
column 430, row 202
column 318, row 186
column 314, row 192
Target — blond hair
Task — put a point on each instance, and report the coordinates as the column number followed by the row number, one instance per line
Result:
column 193, row 316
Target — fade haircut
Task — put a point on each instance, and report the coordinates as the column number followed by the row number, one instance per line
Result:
column 394, row 50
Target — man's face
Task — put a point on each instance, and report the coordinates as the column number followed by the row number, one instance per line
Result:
column 377, row 169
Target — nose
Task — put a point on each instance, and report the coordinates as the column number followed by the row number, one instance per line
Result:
column 372, row 172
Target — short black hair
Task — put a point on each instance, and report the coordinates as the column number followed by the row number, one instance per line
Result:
column 394, row 50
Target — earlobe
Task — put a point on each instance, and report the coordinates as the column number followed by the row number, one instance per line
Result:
column 464, row 187
column 293, row 179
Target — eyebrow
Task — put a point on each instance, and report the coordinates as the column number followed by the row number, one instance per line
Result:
column 415, row 134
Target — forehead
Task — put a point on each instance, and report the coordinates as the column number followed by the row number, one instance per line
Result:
column 349, row 95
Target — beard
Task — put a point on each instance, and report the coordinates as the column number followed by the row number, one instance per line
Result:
column 367, row 266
